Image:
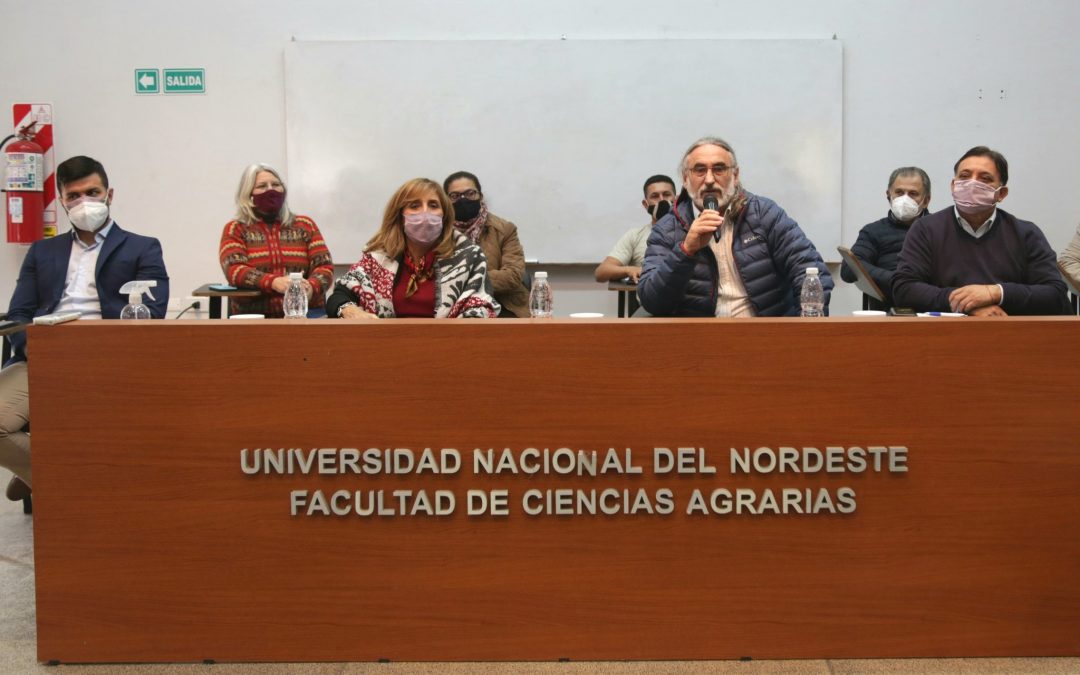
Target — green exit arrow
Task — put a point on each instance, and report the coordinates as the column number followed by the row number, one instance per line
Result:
column 147, row 81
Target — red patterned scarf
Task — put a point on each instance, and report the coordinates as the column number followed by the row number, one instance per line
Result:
column 419, row 271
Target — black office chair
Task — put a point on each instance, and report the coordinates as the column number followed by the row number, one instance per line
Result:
column 6, row 354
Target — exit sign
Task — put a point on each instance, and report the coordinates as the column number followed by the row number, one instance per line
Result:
column 184, row 80
column 147, row 81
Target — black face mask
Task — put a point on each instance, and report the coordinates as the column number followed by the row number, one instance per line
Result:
column 466, row 209
column 661, row 209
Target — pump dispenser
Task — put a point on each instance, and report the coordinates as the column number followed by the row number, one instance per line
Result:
column 135, row 309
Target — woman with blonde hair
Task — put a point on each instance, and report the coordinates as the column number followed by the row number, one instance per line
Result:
column 416, row 265
column 266, row 241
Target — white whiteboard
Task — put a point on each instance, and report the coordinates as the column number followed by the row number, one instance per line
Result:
column 561, row 133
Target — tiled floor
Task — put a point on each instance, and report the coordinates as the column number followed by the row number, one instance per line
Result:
column 18, row 650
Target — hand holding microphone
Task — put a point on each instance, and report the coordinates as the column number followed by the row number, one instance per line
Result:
column 707, row 223
column 711, row 203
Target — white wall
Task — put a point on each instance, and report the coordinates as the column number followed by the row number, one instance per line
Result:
column 923, row 82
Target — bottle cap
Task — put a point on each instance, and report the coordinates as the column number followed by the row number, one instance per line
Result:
column 812, row 270
column 539, row 275
column 296, row 275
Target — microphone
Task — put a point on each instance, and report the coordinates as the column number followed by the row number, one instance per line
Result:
column 711, row 202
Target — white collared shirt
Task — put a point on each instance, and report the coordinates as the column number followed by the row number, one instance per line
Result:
column 984, row 227
column 80, row 286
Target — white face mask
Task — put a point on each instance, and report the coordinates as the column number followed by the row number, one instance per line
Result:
column 88, row 214
column 905, row 208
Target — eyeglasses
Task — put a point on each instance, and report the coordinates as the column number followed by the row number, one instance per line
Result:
column 718, row 170
column 468, row 194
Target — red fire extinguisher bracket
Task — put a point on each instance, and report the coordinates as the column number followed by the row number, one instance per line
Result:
column 28, row 180
column 24, row 185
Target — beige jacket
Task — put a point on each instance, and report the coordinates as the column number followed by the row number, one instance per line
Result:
column 1069, row 259
column 505, row 264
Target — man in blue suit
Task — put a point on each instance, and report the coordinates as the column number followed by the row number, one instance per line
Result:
column 82, row 271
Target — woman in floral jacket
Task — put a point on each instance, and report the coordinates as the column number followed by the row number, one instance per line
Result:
column 416, row 265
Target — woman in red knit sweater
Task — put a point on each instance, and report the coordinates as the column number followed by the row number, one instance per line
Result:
column 267, row 241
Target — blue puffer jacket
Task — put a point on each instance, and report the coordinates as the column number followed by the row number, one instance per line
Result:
column 771, row 254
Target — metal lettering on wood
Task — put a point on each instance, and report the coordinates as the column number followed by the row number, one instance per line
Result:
column 159, row 539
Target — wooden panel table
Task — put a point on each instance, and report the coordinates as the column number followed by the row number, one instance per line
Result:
column 153, row 543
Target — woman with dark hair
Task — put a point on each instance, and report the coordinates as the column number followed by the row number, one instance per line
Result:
column 498, row 238
column 416, row 265
column 266, row 241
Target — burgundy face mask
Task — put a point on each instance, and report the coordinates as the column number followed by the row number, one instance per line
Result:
column 269, row 202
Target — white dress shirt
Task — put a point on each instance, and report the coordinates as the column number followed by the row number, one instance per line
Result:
column 80, row 287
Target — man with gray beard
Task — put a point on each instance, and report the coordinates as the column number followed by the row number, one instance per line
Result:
column 724, row 251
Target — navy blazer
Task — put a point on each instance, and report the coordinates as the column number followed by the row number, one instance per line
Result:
column 124, row 257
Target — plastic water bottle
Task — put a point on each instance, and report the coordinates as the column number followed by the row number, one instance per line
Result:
column 295, row 302
column 540, row 297
column 812, row 297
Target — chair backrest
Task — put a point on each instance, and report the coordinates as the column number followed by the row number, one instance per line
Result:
column 7, row 327
column 1073, row 284
column 863, row 281
column 5, row 350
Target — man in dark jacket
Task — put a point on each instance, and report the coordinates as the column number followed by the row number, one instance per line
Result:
column 975, row 258
column 744, row 257
column 879, row 243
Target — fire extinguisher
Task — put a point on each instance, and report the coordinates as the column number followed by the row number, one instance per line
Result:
column 24, row 183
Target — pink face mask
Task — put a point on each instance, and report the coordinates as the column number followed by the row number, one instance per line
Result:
column 424, row 228
column 972, row 196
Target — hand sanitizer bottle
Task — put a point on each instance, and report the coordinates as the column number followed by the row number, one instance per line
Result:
column 135, row 309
